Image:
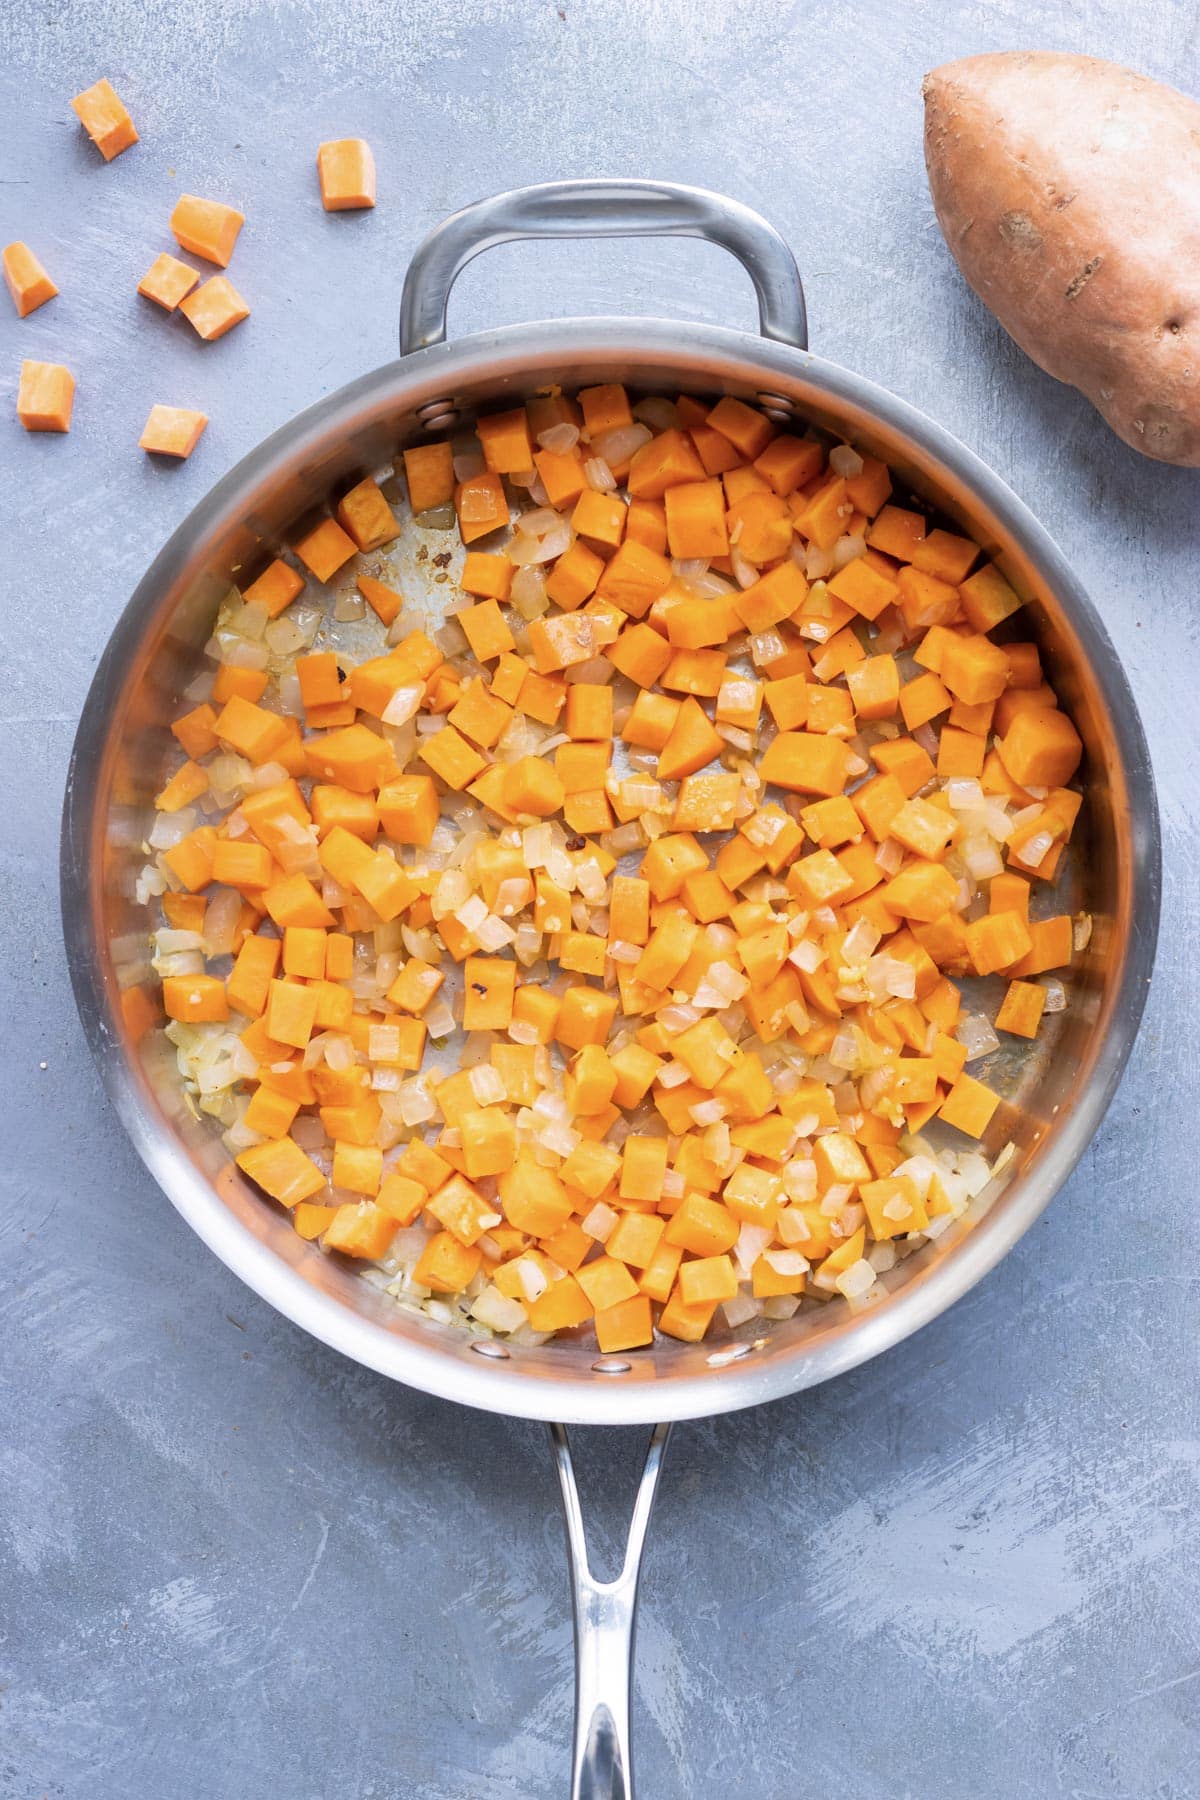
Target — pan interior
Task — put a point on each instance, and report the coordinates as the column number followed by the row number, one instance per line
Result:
column 1055, row 1091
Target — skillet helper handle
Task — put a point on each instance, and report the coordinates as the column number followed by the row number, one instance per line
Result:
column 592, row 209
column 605, row 1619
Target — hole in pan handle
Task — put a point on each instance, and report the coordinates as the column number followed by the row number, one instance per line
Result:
column 601, row 208
column 605, row 1619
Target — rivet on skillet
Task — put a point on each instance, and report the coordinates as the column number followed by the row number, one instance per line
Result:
column 487, row 1347
column 777, row 408
column 611, row 1365
column 438, row 415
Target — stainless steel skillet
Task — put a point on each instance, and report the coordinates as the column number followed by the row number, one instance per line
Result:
column 1057, row 1096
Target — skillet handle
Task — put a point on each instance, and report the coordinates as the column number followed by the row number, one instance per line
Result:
column 575, row 209
column 605, row 1618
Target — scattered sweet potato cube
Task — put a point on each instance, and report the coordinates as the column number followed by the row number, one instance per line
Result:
column 45, row 396
column 215, row 308
column 26, row 280
column 207, row 228
column 105, row 119
column 346, row 170
column 167, row 281
column 172, row 431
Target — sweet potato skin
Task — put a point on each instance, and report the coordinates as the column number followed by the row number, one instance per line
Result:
column 1068, row 190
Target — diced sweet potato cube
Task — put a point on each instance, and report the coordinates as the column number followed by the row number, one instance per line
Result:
column 167, row 281
column 105, row 119
column 214, row 308
column 283, row 1170
column 207, row 228
column 45, row 397
column 366, row 516
column 346, row 171
column 172, row 431
column 26, row 280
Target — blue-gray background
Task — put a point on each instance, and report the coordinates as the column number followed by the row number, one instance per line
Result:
column 234, row 1564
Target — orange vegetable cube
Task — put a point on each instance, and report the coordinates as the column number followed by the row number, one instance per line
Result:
column 625, row 1326
column 987, row 598
column 293, row 900
column 702, row 1226
column 669, row 458
column 275, row 588
column 969, row 1105
column 195, row 998
column 46, row 396
column 325, row 548
column 283, row 1170
column 239, row 864
column 269, row 1113
column 774, row 596
column 507, row 445
column 634, row 578
column 105, row 119
column 214, row 308
column 599, row 518
column 1021, row 1009
column 206, row 228
column 167, row 281
column 643, row 1168
column 429, row 472
column 366, row 516
column 250, row 729
column 563, row 1305
column 874, row 686
column 446, row 1265
column 689, row 1323
column 635, row 1238
column 747, row 430
column 947, row 557
column 805, row 762
column 589, row 712
column 489, row 983
column 997, row 941
column 585, row 1016
column 449, row 755
column 641, row 654
column 562, row 476
column 707, row 802
column 574, row 576
column 534, row 1198
column 695, row 519
column 532, row 786
column 291, row 1013
column 346, row 171
column 172, row 431
column 26, row 279
column 606, row 1282
column 485, row 627
column 864, row 588
column 707, row 1281
column 894, row 1207
column 897, row 533
column 923, row 828
column 605, row 408
column 408, row 809
column 1041, row 749
column 358, row 1168
column 973, row 668
column 361, row 1229
column 790, row 462
column 693, row 742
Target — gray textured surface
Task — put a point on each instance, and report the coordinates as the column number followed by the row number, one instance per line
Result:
column 234, row 1564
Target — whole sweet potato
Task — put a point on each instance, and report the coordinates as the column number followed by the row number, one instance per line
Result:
column 1068, row 190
